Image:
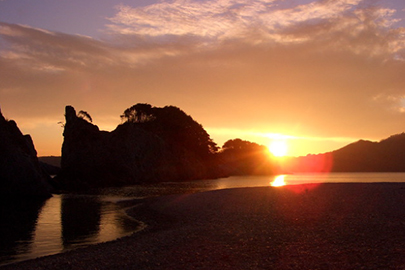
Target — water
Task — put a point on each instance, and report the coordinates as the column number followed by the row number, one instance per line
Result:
column 30, row 229
column 294, row 179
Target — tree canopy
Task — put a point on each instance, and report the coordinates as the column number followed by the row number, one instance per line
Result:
column 242, row 146
column 85, row 115
column 173, row 125
column 139, row 113
column 244, row 157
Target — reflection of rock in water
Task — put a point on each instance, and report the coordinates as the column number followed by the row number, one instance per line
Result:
column 18, row 220
column 80, row 219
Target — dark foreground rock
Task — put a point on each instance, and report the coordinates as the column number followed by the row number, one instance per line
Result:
column 326, row 226
column 20, row 171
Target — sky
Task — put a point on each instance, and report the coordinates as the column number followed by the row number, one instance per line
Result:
column 317, row 74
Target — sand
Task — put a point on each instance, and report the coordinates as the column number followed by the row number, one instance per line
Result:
column 326, row 226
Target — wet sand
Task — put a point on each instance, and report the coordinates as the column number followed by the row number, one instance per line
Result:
column 320, row 226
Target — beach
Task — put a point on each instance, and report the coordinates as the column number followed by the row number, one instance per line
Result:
column 311, row 226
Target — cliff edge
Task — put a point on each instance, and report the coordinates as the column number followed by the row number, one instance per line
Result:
column 20, row 172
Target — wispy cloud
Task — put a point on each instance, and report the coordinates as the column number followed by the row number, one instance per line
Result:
column 344, row 23
column 208, row 19
column 167, row 29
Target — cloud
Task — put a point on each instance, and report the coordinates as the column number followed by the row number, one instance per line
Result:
column 208, row 19
column 251, row 21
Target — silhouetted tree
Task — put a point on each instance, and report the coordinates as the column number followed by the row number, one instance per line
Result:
column 173, row 125
column 181, row 129
column 244, row 157
column 85, row 115
column 242, row 145
column 139, row 113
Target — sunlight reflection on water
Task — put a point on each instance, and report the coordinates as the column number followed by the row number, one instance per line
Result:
column 278, row 181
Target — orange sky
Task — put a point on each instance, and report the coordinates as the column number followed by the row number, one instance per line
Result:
column 322, row 74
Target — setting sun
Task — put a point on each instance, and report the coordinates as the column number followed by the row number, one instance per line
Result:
column 278, row 148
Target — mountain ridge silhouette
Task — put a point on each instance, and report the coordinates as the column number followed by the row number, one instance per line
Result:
column 387, row 155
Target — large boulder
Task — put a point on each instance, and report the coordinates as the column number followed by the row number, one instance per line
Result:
column 20, row 171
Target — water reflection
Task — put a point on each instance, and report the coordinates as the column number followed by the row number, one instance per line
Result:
column 65, row 222
column 242, row 181
column 18, row 219
column 278, row 181
column 80, row 216
column 90, row 219
column 114, row 223
column 48, row 238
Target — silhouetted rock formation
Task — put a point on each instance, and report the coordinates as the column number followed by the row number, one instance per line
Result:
column 153, row 144
column 387, row 155
column 20, row 172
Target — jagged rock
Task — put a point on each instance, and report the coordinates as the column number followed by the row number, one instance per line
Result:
column 20, row 172
column 130, row 154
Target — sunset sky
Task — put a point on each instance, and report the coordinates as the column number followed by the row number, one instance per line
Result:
column 319, row 74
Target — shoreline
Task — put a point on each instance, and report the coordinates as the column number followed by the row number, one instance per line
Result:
column 309, row 226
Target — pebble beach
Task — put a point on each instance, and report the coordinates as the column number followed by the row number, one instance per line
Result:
column 311, row 226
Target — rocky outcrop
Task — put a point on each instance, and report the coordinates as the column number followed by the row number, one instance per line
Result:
column 133, row 153
column 20, row 172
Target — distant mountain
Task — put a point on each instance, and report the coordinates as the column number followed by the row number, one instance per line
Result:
column 50, row 164
column 51, row 160
column 388, row 155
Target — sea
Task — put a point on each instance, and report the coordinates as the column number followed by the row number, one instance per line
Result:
column 30, row 229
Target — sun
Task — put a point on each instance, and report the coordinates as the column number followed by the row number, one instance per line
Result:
column 278, row 148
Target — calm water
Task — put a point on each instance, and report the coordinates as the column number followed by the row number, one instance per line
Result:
column 30, row 229
column 63, row 222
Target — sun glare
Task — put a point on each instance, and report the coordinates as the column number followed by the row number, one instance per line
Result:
column 278, row 181
column 278, row 148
